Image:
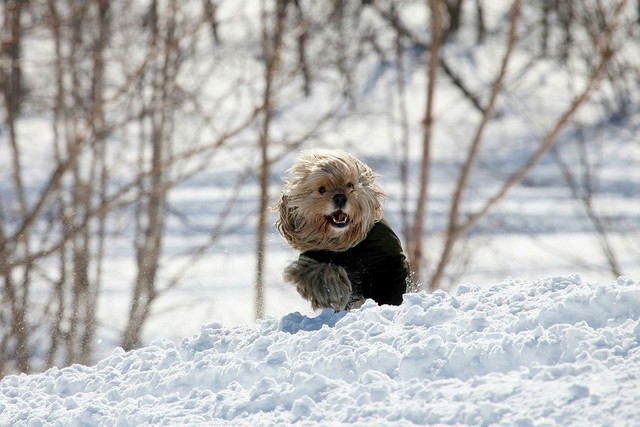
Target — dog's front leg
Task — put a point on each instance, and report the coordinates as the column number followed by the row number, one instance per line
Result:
column 324, row 285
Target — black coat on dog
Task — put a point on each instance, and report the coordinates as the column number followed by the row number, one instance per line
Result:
column 377, row 267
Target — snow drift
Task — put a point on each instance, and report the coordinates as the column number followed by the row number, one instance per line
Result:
column 554, row 351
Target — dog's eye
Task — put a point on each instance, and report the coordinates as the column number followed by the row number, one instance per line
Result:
column 350, row 185
column 321, row 190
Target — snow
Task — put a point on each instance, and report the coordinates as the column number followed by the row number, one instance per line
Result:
column 557, row 351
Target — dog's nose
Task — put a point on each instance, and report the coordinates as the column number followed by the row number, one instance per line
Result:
column 340, row 200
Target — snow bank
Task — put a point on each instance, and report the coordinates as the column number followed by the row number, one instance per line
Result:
column 554, row 351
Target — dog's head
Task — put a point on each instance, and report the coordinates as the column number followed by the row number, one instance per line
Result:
column 330, row 201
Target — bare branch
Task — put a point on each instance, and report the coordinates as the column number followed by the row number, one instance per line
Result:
column 592, row 84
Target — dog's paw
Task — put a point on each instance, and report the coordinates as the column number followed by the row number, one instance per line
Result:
column 324, row 285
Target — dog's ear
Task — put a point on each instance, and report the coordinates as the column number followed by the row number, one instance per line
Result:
column 282, row 205
column 284, row 224
column 281, row 209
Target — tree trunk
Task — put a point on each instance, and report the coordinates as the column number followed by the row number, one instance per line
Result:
column 454, row 10
column 481, row 30
column 11, row 76
column 151, row 209
column 271, row 44
column 416, row 252
column 211, row 13
column 99, row 177
column 303, row 62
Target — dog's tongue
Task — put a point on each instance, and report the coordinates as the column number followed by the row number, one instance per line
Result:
column 340, row 217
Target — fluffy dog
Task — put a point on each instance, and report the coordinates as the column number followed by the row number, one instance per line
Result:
column 330, row 210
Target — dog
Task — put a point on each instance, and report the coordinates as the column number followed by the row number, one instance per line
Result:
column 330, row 210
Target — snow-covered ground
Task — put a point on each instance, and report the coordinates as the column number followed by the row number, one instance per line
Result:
column 558, row 351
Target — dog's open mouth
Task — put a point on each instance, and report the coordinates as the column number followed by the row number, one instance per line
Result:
column 338, row 219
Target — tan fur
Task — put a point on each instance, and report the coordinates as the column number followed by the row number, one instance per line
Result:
column 302, row 208
column 303, row 211
column 323, row 285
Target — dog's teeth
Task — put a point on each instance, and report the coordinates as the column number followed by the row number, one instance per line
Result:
column 340, row 218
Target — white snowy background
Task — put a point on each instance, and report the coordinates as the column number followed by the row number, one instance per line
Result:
column 536, row 333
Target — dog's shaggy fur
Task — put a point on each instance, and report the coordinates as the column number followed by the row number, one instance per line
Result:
column 323, row 284
column 329, row 206
column 307, row 201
